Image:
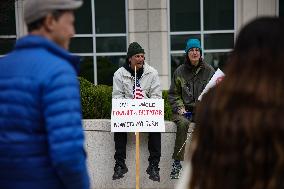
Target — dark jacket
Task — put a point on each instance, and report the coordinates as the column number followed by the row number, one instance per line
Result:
column 41, row 136
column 187, row 84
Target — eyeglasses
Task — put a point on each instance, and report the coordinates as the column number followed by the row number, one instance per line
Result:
column 194, row 50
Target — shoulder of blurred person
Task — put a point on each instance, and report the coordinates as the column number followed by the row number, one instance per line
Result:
column 183, row 181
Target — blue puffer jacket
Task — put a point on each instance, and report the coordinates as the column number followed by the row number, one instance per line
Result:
column 41, row 136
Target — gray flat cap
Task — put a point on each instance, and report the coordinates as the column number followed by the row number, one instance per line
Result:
column 37, row 9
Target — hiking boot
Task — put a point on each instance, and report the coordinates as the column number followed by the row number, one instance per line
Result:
column 175, row 174
column 153, row 171
column 119, row 170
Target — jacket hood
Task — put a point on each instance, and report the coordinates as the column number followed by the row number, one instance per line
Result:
column 132, row 72
column 146, row 70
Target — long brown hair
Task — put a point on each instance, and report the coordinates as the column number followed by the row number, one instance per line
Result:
column 240, row 123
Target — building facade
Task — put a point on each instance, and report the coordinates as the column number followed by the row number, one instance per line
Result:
column 104, row 28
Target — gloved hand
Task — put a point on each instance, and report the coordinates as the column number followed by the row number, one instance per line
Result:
column 187, row 115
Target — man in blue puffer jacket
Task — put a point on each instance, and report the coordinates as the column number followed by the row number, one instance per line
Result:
column 41, row 136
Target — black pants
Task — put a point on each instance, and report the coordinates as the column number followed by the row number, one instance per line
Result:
column 154, row 147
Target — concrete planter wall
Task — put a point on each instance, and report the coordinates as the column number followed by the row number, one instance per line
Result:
column 100, row 150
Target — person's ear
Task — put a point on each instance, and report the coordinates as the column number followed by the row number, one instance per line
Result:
column 49, row 22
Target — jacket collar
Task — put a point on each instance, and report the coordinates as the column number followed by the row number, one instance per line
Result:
column 37, row 41
column 132, row 72
column 145, row 71
column 192, row 68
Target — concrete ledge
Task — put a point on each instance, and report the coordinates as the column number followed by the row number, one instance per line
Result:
column 100, row 150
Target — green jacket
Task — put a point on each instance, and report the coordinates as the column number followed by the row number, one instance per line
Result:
column 187, row 84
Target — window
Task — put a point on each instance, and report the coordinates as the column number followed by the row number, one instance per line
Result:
column 210, row 21
column 8, row 26
column 107, row 65
column 281, row 8
column 100, row 39
column 184, row 12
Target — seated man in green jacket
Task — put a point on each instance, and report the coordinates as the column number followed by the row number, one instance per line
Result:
column 188, row 81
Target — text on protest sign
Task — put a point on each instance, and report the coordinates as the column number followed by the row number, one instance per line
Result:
column 137, row 115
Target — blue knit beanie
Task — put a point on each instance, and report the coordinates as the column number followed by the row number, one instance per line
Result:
column 192, row 43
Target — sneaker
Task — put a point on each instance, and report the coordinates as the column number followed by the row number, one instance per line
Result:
column 153, row 171
column 119, row 171
column 176, row 171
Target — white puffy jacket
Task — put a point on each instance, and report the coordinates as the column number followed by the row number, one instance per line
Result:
column 123, row 83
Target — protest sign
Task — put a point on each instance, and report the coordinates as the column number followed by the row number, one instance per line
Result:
column 137, row 115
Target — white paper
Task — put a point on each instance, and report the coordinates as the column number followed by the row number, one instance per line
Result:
column 216, row 78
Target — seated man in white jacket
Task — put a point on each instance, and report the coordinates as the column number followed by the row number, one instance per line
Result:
column 124, row 88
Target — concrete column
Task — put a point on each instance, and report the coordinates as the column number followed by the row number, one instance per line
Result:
column 267, row 8
column 148, row 26
column 247, row 10
column 21, row 27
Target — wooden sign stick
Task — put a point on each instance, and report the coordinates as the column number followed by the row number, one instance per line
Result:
column 137, row 146
column 137, row 160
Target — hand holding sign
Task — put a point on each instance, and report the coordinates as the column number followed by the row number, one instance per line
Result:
column 216, row 78
column 187, row 115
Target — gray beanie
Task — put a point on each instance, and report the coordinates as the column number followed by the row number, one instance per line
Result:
column 37, row 9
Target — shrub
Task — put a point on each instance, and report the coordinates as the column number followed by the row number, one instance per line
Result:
column 102, row 99
column 96, row 101
column 167, row 107
column 86, row 90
